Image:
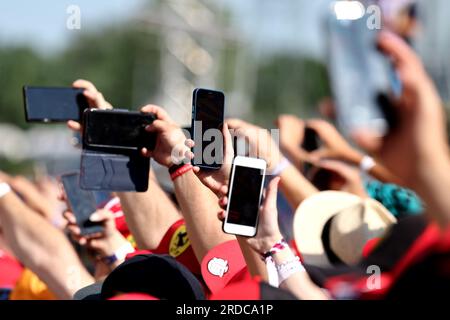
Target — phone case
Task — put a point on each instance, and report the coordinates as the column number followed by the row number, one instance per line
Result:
column 114, row 172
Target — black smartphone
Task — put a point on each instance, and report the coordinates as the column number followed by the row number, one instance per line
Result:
column 82, row 203
column 52, row 104
column 207, row 121
column 361, row 77
column 117, row 129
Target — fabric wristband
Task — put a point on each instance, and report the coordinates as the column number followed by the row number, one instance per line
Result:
column 179, row 170
column 119, row 255
column 367, row 163
column 4, row 189
column 287, row 269
column 272, row 272
column 281, row 166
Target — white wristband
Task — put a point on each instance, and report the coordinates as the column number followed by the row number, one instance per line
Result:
column 4, row 189
column 123, row 251
column 289, row 268
column 367, row 164
column 281, row 166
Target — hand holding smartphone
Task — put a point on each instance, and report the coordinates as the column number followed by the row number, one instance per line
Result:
column 361, row 78
column 244, row 196
column 82, row 204
column 52, row 104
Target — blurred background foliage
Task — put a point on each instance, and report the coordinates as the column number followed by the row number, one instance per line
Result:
column 266, row 68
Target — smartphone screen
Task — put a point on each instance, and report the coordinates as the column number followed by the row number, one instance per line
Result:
column 118, row 129
column 245, row 196
column 360, row 76
column 207, row 114
column 47, row 104
column 81, row 202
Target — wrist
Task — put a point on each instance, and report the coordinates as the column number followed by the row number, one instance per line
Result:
column 268, row 243
column 4, row 189
column 274, row 160
column 119, row 255
column 354, row 157
column 177, row 171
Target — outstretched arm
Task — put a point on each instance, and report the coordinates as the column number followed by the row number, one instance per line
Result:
column 42, row 248
column 149, row 215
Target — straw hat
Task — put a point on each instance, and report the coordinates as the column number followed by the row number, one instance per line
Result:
column 332, row 227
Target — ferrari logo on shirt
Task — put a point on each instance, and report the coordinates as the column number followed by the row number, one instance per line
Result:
column 131, row 240
column 179, row 241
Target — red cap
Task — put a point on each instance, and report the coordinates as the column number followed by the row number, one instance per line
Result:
column 10, row 270
column 244, row 290
column 223, row 265
column 133, row 296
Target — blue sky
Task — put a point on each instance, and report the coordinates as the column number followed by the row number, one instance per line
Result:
column 272, row 25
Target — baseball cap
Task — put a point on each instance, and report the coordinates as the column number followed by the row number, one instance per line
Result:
column 252, row 289
column 158, row 276
column 223, row 265
column 133, row 296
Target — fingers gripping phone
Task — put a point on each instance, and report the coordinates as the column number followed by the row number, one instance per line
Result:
column 82, row 204
column 118, row 129
column 361, row 78
column 244, row 196
column 207, row 122
column 52, row 104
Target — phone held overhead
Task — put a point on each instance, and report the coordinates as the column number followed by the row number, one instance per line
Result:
column 207, row 122
column 244, row 196
column 53, row 104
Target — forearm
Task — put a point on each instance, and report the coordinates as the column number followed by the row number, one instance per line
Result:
column 432, row 184
column 149, row 215
column 199, row 206
column 255, row 264
column 378, row 172
column 296, row 157
column 42, row 248
column 295, row 187
column 299, row 284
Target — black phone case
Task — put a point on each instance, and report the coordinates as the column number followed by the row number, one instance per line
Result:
column 127, row 172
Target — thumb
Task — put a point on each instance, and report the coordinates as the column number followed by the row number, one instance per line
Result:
column 101, row 216
column 156, row 126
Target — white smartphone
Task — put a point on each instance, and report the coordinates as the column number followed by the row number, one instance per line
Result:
column 244, row 196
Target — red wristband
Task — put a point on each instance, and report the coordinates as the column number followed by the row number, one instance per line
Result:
column 180, row 171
